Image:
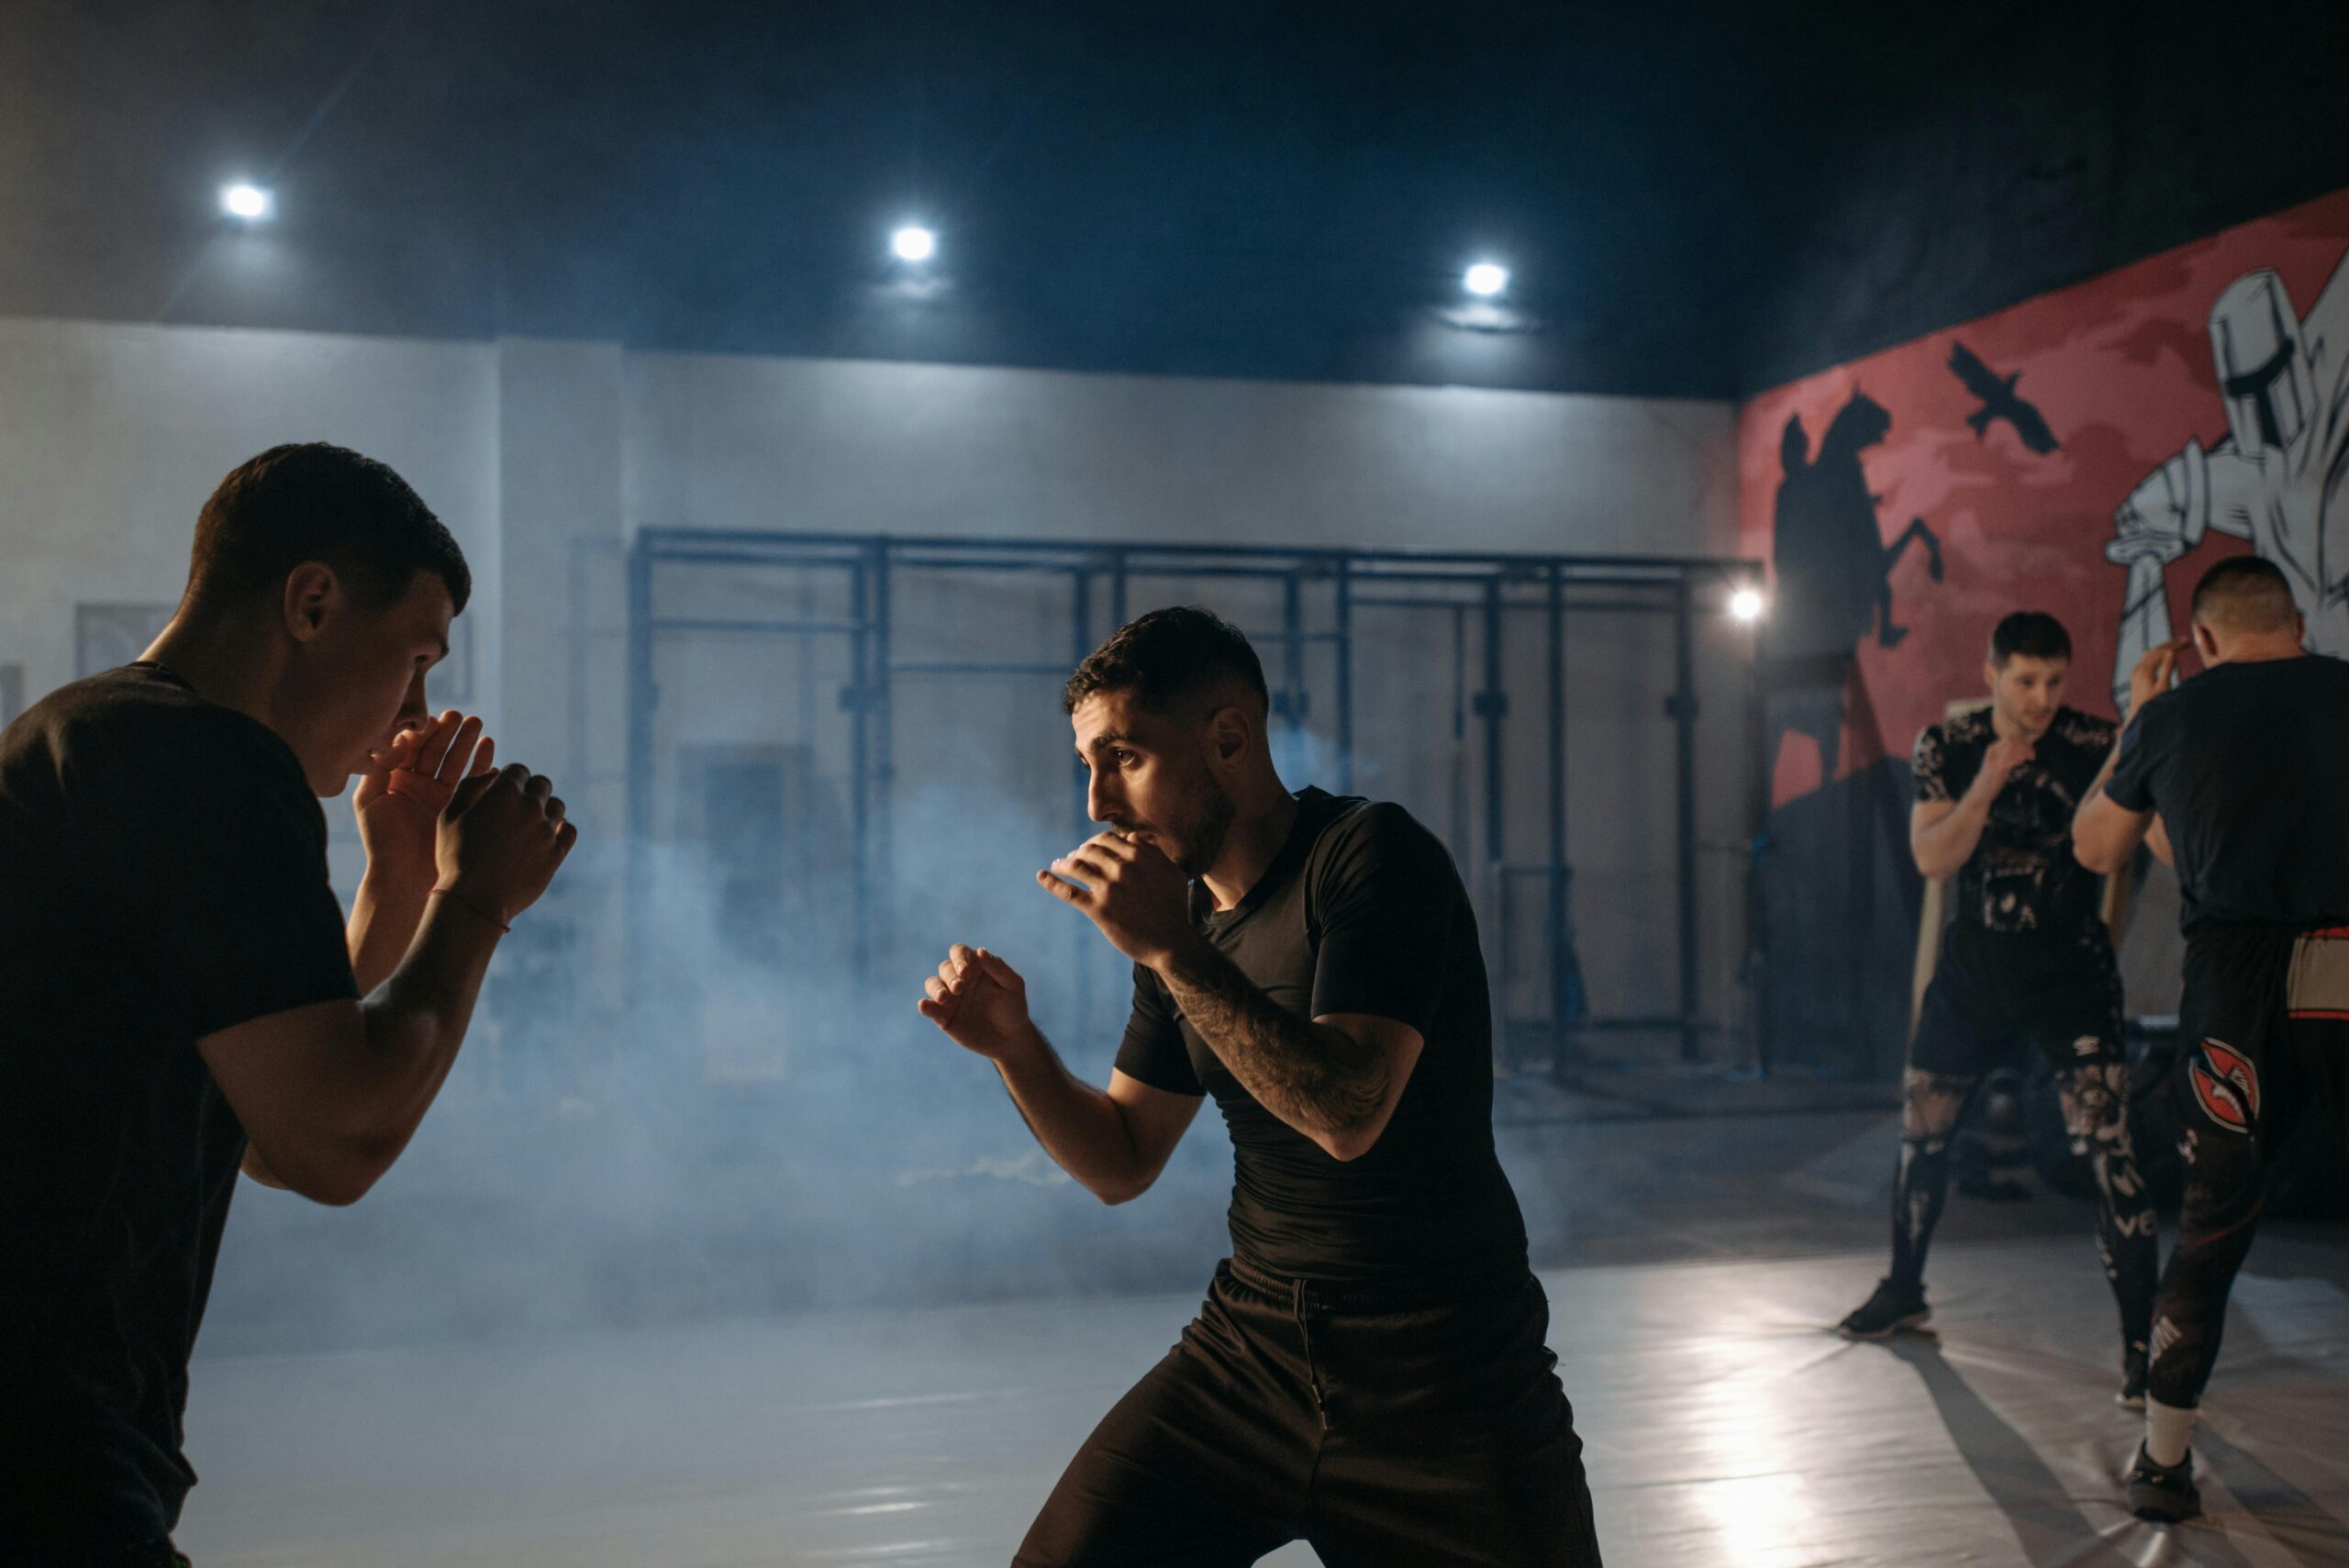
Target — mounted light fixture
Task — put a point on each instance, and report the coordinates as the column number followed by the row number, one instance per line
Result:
column 1486, row 280
column 247, row 201
column 913, row 243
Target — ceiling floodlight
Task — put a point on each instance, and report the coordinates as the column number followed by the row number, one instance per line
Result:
column 1485, row 279
column 247, row 201
column 913, row 243
column 1745, row 605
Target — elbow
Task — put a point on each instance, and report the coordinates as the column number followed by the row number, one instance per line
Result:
column 335, row 1180
column 332, row 1189
column 337, row 1195
column 2097, row 858
column 1113, row 1193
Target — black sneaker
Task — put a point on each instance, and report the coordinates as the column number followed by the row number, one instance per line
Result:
column 1887, row 1313
column 2132, row 1394
column 2163, row 1493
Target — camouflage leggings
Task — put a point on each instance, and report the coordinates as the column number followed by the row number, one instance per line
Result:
column 2095, row 1097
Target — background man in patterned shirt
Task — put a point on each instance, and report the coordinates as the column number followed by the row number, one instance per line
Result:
column 2025, row 960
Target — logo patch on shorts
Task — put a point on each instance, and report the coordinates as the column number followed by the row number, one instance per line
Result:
column 2226, row 1084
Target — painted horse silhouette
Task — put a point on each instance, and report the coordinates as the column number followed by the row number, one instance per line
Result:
column 1827, row 551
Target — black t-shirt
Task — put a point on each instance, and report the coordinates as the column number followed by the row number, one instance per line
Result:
column 1361, row 912
column 2248, row 765
column 2022, row 876
column 163, row 876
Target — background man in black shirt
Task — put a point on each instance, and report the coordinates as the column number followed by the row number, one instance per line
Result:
column 2025, row 960
column 179, row 993
column 1368, row 1371
column 2247, row 767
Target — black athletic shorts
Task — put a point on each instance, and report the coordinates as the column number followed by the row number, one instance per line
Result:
column 1995, row 991
column 2263, row 1033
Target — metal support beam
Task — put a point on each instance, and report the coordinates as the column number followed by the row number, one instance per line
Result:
column 884, row 739
column 1081, row 947
column 1492, row 706
column 1290, row 702
column 1683, row 709
column 1343, row 605
column 860, row 775
column 642, row 772
column 1754, row 968
column 1565, row 983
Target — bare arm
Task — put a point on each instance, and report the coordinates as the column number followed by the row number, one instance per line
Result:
column 1943, row 833
column 385, row 915
column 1336, row 1080
column 253, row 1165
column 2104, row 832
column 1114, row 1143
column 330, row 1093
column 398, row 807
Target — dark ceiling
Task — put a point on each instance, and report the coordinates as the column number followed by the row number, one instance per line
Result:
column 1694, row 198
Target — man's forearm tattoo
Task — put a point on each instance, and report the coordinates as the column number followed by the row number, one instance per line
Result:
column 1315, row 1078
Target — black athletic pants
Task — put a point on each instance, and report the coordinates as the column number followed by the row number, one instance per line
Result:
column 2263, row 1036
column 1387, row 1437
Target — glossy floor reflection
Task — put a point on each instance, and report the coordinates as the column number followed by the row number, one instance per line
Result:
column 1725, row 1428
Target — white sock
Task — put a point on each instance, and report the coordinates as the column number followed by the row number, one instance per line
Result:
column 2168, row 1430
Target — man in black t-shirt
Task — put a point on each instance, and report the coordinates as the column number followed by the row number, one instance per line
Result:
column 1369, row 1370
column 179, row 993
column 2025, row 960
column 2245, row 768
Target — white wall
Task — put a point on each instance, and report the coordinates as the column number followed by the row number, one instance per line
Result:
column 111, row 436
column 838, row 445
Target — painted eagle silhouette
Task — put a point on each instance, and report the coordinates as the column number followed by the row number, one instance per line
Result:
column 1998, row 401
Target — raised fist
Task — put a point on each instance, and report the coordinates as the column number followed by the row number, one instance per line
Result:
column 1999, row 763
column 502, row 837
column 979, row 1001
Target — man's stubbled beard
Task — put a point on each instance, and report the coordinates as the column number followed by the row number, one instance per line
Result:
column 1192, row 835
column 1206, row 827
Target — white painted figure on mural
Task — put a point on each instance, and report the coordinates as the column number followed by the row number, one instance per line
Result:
column 2278, row 478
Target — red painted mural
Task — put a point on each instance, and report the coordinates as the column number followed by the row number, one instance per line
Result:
column 2088, row 452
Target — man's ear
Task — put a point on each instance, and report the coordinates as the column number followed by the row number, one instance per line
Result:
column 313, row 593
column 1232, row 727
column 2204, row 643
column 1990, row 675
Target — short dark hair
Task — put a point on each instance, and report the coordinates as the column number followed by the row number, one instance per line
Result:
column 1169, row 657
column 2245, row 593
column 2032, row 634
column 315, row 502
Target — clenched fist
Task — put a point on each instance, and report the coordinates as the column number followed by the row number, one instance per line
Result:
column 502, row 838
column 2001, row 762
column 1140, row 899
